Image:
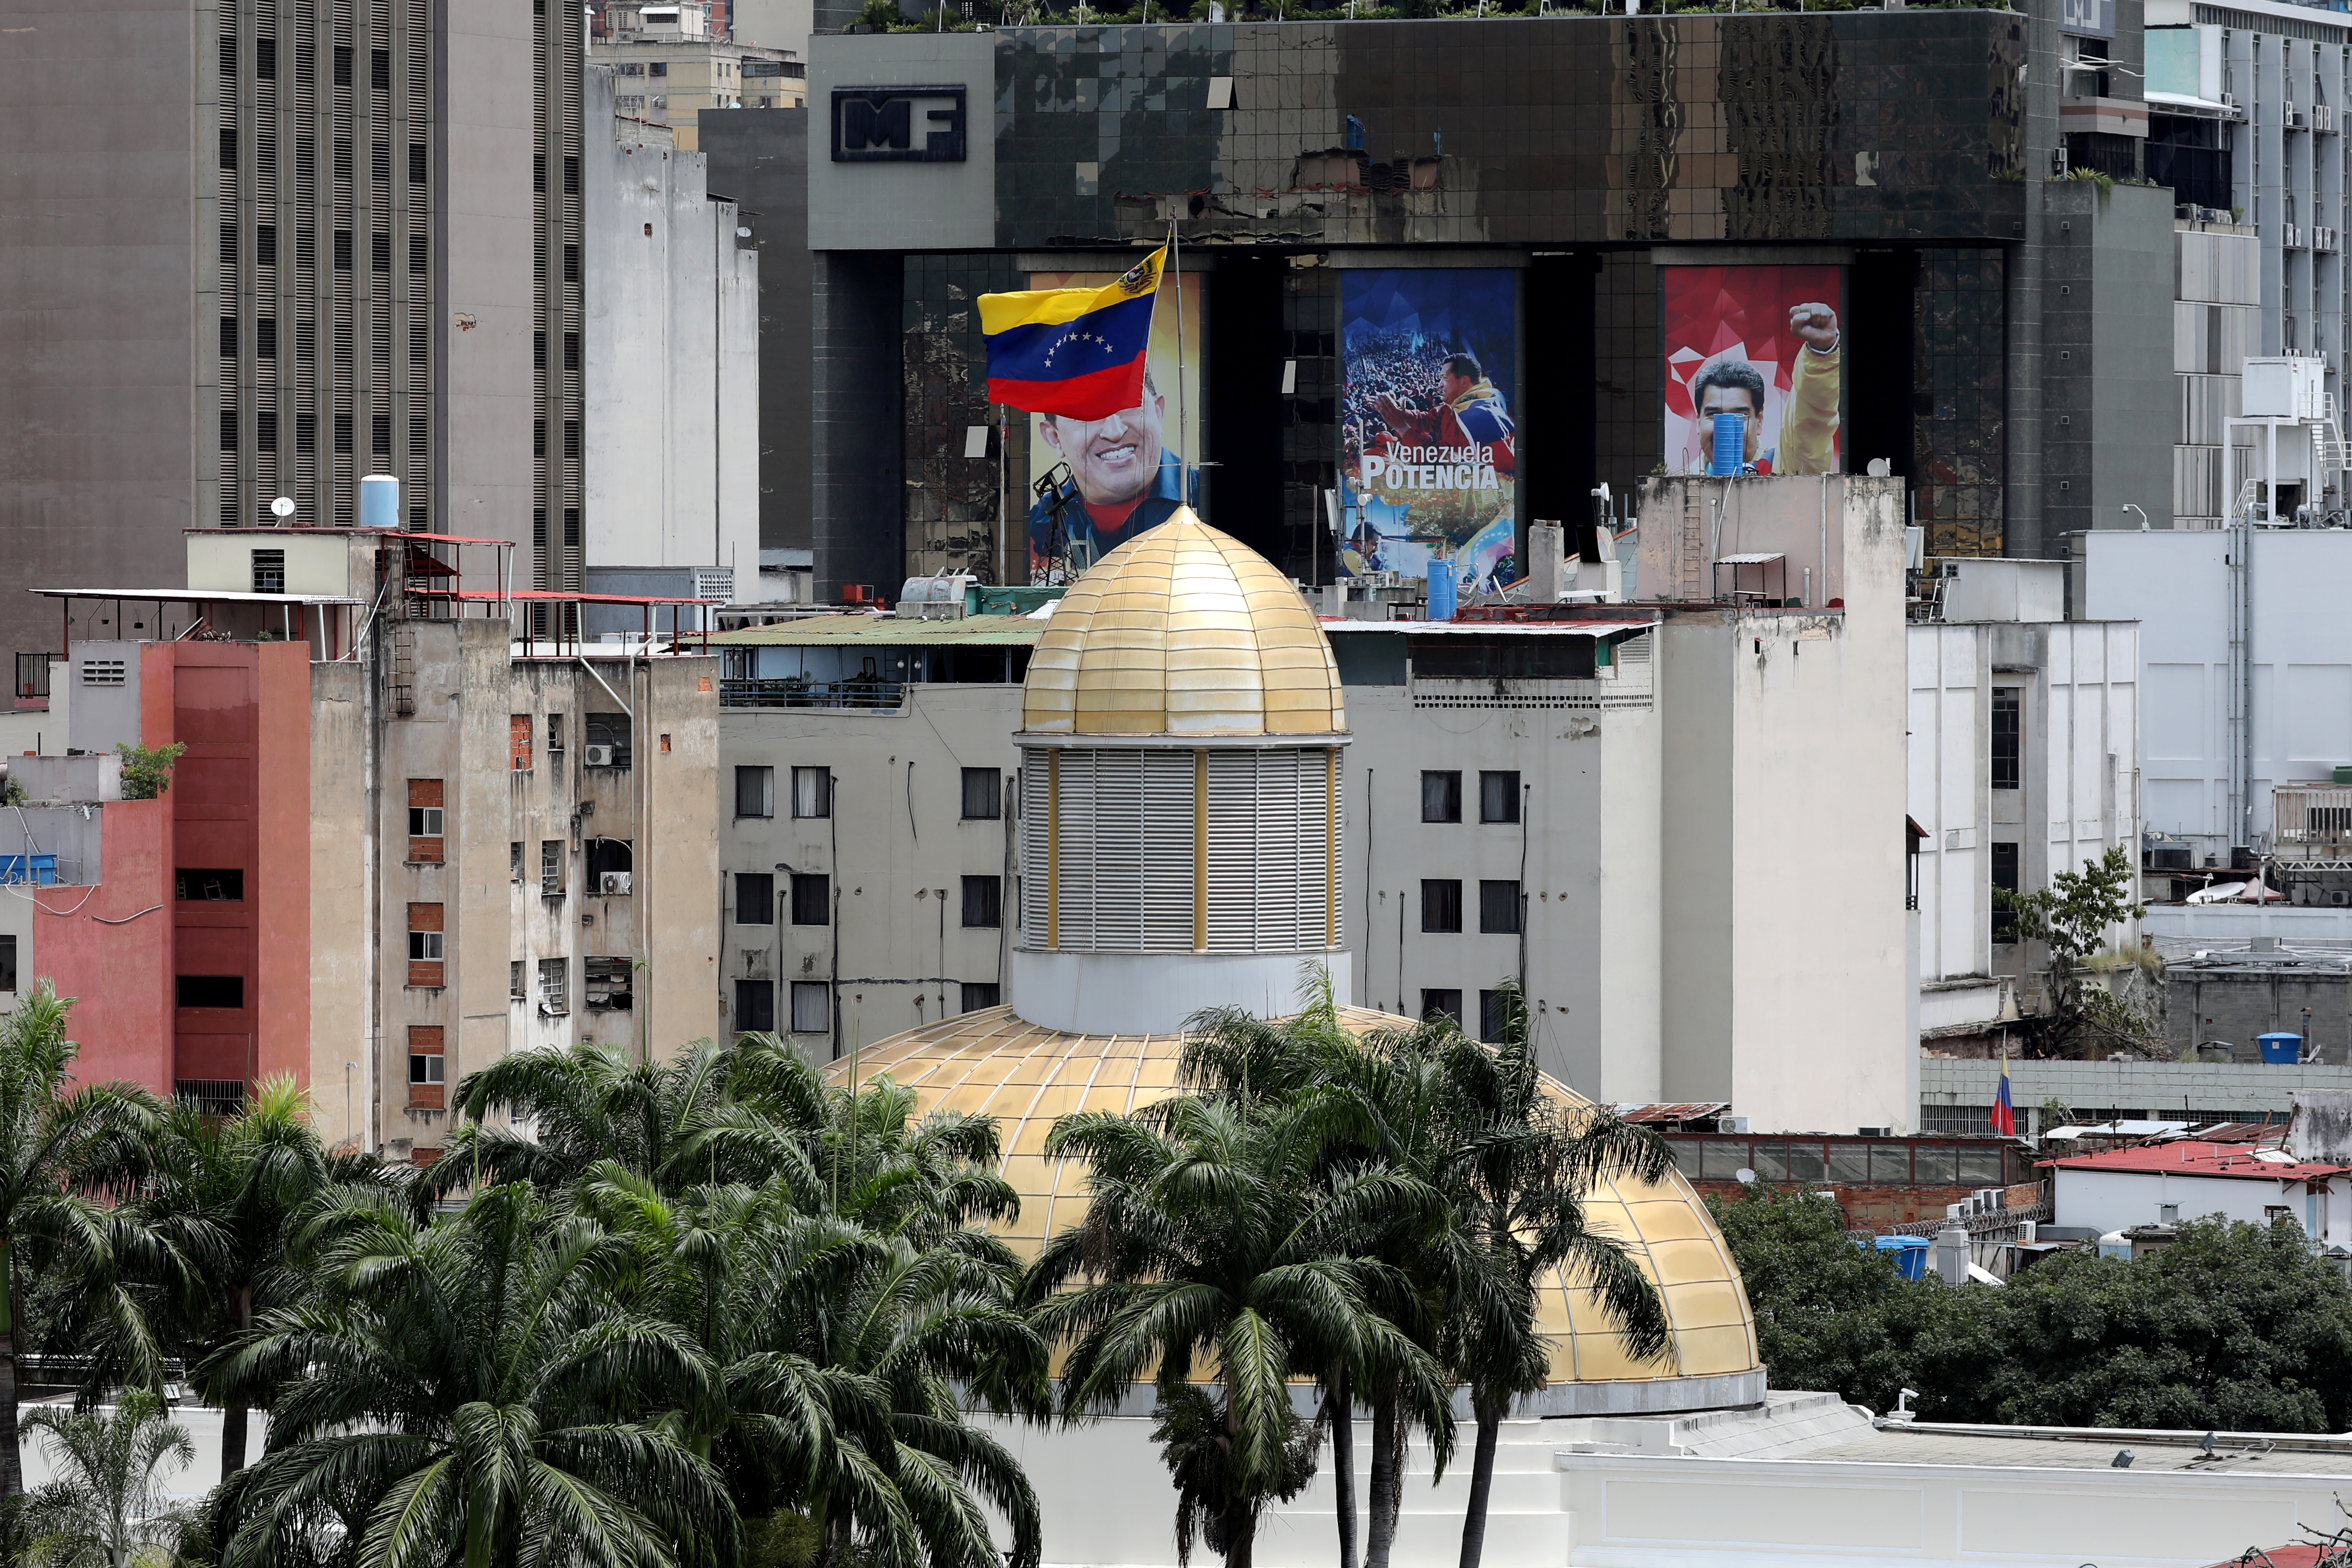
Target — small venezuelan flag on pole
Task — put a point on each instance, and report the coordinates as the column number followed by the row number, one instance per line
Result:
column 1077, row 353
column 2004, row 1110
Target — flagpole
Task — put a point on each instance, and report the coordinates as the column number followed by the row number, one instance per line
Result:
column 1183, row 421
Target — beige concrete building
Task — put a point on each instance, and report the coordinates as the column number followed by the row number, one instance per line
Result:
column 407, row 838
column 670, row 81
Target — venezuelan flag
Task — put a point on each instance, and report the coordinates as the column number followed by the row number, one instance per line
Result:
column 2004, row 1110
column 1077, row 353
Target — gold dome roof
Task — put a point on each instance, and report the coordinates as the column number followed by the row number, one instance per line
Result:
column 1183, row 630
column 993, row 1063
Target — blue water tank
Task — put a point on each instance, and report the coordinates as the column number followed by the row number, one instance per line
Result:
column 1910, row 1254
column 2283, row 1049
column 379, row 501
column 1441, row 590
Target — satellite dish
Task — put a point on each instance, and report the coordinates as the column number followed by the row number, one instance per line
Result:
column 1743, row 1175
column 282, row 508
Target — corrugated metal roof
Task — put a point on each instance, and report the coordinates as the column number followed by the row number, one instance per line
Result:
column 983, row 631
column 1687, row 1111
column 1492, row 628
column 2195, row 1157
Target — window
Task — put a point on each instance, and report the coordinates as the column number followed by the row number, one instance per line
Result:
column 755, row 1007
column 550, row 868
column 416, row 162
column 812, row 1007
column 755, row 898
column 228, row 430
column 1442, row 1004
column 1498, row 796
column 571, row 351
column 555, row 985
column 514, row 983
column 342, row 433
column 983, row 901
column 812, row 899
column 658, row 68
column 380, row 252
column 342, row 65
column 8, row 963
column 227, row 148
column 210, row 990
column 425, row 1063
column 380, row 162
column 608, row 982
column 610, row 730
column 1498, row 908
column 2004, row 879
column 554, row 735
column 265, row 248
column 205, row 884
column 755, row 791
column 342, row 250
column 265, row 337
column 425, row 950
column 570, row 263
column 1441, row 905
column 379, row 69
column 979, row 994
column 229, row 337
column 514, row 861
column 1441, row 797
column 424, row 802
column 983, row 794
column 264, row 430
column 811, row 793
column 1495, row 1016
column 519, row 742
column 265, row 59
column 2279, row 1214
column 2005, row 738
column 572, row 174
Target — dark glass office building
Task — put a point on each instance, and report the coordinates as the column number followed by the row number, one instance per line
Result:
column 1409, row 237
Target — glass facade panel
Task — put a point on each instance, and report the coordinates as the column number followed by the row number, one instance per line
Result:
column 1849, row 1162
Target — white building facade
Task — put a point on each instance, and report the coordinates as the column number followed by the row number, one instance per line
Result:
column 2023, row 762
column 668, row 359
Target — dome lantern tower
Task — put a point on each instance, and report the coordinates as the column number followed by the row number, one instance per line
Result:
column 1181, row 734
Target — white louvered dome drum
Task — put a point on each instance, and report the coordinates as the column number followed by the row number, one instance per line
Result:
column 1181, row 851
column 1180, row 791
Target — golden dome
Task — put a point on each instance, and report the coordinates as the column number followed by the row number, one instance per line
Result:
column 993, row 1063
column 1183, row 630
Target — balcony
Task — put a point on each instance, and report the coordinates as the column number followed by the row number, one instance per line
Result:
column 795, row 692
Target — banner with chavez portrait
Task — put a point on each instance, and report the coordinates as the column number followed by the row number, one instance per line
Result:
column 1428, row 466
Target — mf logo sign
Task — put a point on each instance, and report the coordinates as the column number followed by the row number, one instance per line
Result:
column 2087, row 18
column 898, row 124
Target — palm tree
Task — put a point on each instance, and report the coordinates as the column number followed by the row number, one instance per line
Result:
column 468, row 1392
column 1516, row 1176
column 844, row 1333
column 56, row 1140
column 230, row 1191
column 742, row 1110
column 107, row 1508
column 1208, row 1242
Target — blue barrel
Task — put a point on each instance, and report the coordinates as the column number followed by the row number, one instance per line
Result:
column 1910, row 1254
column 1730, row 445
column 1441, row 590
column 2282, row 1049
column 379, row 501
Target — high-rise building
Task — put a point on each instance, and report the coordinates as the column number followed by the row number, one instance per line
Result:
column 265, row 248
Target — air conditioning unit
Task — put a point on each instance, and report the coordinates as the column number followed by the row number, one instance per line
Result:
column 2294, row 119
column 2323, row 117
column 613, row 884
column 596, row 756
column 1735, row 1125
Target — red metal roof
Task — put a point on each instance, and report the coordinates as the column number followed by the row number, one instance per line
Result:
column 2198, row 1156
column 1688, row 1112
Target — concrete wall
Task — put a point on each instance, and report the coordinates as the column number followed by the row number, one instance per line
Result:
column 108, row 946
column 2111, row 1200
column 2164, row 1090
column 909, row 205
column 2178, row 585
column 762, row 162
column 342, row 843
column 104, row 341
column 669, row 357
column 2111, row 408
column 2238, row 1003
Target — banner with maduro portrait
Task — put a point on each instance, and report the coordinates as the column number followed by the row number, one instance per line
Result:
column 1430, row 466
column 1753, row 377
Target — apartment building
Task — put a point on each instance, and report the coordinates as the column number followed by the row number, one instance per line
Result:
column 673, row 62
column 399, row 845
column 267, row 247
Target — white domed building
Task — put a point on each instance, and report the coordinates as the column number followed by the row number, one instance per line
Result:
column 1183, row 745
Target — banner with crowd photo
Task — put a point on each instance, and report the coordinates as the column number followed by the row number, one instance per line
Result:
column 1430, row 466
column 1763, row 344
column 1096, row 484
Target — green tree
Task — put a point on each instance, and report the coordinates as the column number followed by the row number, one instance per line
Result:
column 2070, row 918
column 1208, row 1242
column 147, row 769
column 107, row 1508
column 468, row 1392
column 58, row 1142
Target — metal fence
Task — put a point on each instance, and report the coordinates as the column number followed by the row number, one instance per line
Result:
column 791, row 692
